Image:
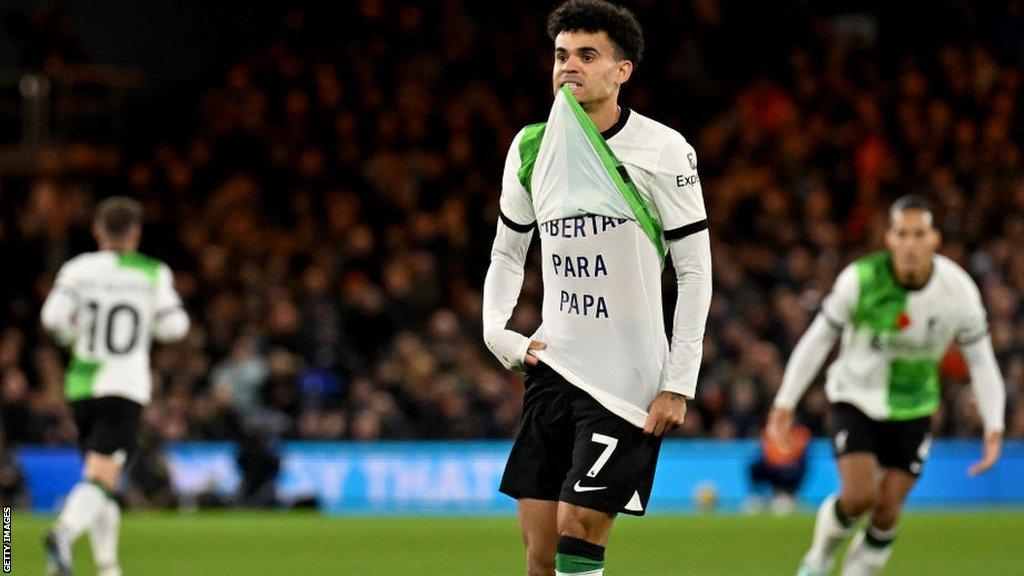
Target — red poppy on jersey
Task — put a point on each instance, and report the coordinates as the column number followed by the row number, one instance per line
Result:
column 902, row 321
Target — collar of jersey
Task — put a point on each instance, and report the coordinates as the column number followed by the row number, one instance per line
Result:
column 619, row 124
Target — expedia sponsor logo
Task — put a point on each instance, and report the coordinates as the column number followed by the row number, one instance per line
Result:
column 892, row 343
column 683, row 180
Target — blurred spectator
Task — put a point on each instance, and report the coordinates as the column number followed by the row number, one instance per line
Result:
column 148, row 478
column 259, row 463
column 13, row 491
column 239, row 378
column 329, row 207
column 779, row 470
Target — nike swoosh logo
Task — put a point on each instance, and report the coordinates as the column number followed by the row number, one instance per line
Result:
column 579, row 488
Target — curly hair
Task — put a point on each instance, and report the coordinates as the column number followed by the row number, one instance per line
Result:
column 618, row 22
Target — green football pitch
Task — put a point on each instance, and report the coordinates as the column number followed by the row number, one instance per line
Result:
column 307, row 544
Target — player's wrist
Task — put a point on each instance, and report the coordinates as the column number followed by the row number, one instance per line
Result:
column 674, row 395
column 508, row 346
column 784, row 405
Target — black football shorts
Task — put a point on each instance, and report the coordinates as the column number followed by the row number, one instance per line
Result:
column 572, row 449
column 899, row 444
column 108, row 425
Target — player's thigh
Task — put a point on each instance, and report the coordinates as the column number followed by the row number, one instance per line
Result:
column 859, row 481
column 613, row 461
column 538, row 523
column 115, row 430
column 855, row 443
column 82, row 413
column 895, row 487
column 542, row 453
column 852, row 431
column 103, row 468
column 584, row 523
column 907, row 445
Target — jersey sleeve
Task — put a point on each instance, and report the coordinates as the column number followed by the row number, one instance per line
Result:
column 67, row 280
column 167, row 297
column 61, row 303
column 805, row 362
column 516, row 206
column 973, row 323
column 676, row 191
column 837, row 308
column 170, row 321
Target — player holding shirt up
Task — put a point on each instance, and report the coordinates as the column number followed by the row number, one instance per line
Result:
column 107, row 307
column 611, row 193
column 897, row 311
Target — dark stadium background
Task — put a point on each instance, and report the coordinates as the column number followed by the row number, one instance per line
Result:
column 325, row 185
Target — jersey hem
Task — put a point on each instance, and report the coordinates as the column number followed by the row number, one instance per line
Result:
column 621, row 408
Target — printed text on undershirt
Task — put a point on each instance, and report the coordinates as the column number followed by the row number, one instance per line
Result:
column 580, row 266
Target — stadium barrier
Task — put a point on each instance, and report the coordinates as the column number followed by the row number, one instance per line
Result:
column 462, row 477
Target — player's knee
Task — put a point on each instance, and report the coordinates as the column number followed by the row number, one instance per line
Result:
column 572, row 526
column 540, row 563
column 858, row 501
column 104, row 469
column 540, row 556
column 579, row 527
column 885, row 521
column 584, row 523
column 886, row 514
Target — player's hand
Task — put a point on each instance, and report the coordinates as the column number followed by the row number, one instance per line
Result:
column 530, row 359
column 780, row 422
column 993, row 446
column 667, row 411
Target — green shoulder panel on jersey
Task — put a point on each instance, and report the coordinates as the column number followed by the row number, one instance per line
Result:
column 529, row 147
column 79, row 378
column 913, row 390
column 141, row 262
column 882, row 299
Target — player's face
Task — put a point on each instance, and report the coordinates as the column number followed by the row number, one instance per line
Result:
column 587, row 62
column 913, row 240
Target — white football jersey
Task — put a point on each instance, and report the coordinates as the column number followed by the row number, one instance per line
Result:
column 893, row 338
column 603, row 255
column 117, row 300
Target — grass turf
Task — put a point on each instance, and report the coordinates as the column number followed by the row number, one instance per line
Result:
column 307, row 544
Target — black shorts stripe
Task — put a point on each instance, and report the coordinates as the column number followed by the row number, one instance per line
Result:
column 521, row 228
column 684, row 231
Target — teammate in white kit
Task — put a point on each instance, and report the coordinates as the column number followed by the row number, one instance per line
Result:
column 897, row 311
column 107, row 307
column 611, row 193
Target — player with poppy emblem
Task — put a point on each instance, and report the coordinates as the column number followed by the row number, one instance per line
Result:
column 897, row 311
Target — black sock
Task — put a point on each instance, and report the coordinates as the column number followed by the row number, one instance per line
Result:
column 878, row 538
column 841, row 516
column 576, row 556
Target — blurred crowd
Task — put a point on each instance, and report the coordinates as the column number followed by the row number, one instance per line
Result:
column 329, row 209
